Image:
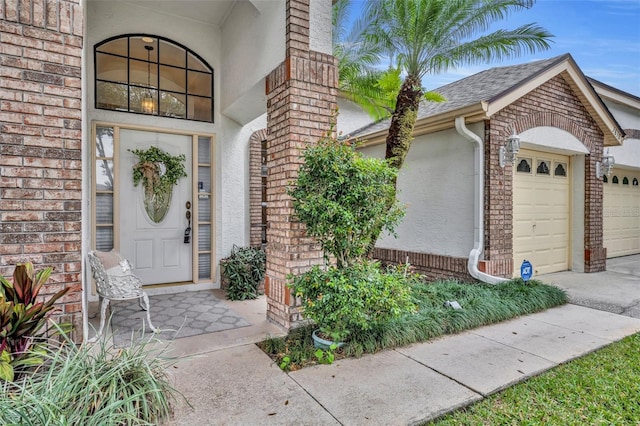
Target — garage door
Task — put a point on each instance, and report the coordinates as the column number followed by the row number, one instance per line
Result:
column 621, row 213
column 541, row 212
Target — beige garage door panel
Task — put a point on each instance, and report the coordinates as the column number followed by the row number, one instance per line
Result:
column 541, row 213
column 621, row 213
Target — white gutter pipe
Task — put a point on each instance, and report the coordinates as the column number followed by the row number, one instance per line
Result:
column 478, row 202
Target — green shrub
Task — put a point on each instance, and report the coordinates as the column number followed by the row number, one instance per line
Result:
column 23, row 318
column 243, row 270
column 342, row 301
column 91, row 385
column 342, row 198
column 482, row 304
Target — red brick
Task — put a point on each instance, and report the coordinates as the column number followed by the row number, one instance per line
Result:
column 19, row 85
column 20, row 216
column 10, row 117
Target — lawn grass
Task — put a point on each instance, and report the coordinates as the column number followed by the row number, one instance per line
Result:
column 601, row 388
column 482, row 304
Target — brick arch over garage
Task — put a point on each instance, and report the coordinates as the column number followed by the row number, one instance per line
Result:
column 545, row 119
column 255, row 187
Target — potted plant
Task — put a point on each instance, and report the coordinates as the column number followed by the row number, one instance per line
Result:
column 343, row 199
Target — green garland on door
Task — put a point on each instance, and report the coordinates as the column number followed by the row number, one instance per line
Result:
column 158, row 171
column 149, row 169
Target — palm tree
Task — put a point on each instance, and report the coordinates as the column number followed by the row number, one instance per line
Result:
column 433, row 36
column 359, row 81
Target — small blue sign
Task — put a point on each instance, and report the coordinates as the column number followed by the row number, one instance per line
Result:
column 526, row 270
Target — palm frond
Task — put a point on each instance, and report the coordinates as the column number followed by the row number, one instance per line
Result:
column 433, row 36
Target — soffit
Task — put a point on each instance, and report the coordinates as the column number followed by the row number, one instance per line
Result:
column 616, row 95
column 208, row 11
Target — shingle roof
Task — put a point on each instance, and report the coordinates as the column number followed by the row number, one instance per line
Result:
column 484, row 86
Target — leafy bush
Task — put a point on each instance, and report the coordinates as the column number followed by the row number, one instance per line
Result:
column 244, row 271
column 346, row 300
column 22, row 319
column 343, row 197
column 91, row 385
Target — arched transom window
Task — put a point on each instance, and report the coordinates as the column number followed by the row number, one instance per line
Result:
column 153, row 75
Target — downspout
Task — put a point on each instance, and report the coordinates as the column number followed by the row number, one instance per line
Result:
column 478, row 202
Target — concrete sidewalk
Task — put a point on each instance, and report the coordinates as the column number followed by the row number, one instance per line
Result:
column 241, row 385
column 229, row 381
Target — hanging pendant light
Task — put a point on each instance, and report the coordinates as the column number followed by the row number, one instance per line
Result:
column 147, row 105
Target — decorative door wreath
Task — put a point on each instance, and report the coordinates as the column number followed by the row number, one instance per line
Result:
column 159, row 172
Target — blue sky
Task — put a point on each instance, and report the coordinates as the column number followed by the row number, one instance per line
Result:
column 603, row 36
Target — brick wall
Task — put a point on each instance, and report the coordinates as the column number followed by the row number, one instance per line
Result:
column 552, row 104
column 40, row 142
column 301, row 100
column 432, row 266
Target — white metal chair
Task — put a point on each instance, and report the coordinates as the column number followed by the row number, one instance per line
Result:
column 116, row 281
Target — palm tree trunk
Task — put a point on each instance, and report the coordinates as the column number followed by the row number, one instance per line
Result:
column 400, row 136
column 403, row 121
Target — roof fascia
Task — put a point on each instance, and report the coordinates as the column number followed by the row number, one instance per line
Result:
column 615, row 95
column 472, row 113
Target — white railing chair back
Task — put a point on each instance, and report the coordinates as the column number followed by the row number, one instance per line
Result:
column 115, row 280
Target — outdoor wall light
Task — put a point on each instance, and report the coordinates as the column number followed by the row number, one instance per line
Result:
column 605, row 166
column 147, row 105
column 510, row 150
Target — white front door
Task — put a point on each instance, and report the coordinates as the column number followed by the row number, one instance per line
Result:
column 156, row 250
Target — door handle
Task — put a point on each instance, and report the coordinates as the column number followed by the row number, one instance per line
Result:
column 187, row 232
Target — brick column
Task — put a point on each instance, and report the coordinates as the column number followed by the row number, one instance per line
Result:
column 595, row 254
column 255, row 187
column 301, row 98
column 40, row 143
column 498, row 202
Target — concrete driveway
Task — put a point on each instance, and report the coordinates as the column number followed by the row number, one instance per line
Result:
column 616, row 290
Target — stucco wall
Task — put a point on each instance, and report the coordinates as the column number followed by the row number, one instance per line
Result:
column 628, row 154
column 320, row 12
column 350, row 117
column 233, row 208
column 253, row 45
column 577, row 213
column 436, row 185
column 627, row 117
column 552, row 139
